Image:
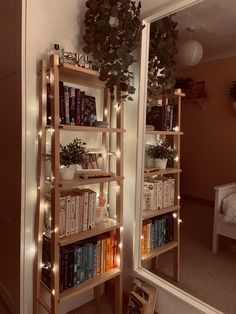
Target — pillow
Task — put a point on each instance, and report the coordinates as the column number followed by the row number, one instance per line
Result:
column 229, row 209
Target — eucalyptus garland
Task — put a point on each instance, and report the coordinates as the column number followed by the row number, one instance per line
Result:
column 162, row 55
column 113, row 31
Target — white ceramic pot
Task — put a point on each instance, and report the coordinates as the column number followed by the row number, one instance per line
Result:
column 160, row 163
column 67, row 173
column 149, row 162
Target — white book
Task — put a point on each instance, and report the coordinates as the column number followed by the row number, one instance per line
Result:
column 94, row 209
column 85, row 209
column 152, row 201
column 77, row 205
column 62, row 217
column 72, row 214
column 171, row 191
column 68, row 214
column 146, row 197
column 159, row 191
column 166, row 196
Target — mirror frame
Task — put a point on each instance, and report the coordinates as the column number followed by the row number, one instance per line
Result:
column 159, row 12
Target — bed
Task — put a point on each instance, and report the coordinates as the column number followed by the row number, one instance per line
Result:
column 222, row 228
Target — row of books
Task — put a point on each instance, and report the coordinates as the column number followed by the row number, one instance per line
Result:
column 158, row 193
column 76, row 108
column 85, row 260
column 77, row 211
column 157, row 232
column 163, row 117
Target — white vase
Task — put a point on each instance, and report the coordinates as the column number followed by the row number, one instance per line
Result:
column 160, row 163
column 67, row 173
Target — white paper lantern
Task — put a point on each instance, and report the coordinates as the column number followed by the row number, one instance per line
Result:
column 190, row 52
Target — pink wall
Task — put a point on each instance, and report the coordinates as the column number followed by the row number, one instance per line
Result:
column 208, row 148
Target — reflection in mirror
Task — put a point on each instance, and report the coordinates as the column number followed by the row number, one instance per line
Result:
column 190, row 70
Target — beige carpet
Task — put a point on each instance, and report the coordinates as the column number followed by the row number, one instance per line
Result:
column 209, row 277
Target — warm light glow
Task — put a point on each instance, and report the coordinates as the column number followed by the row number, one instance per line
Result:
column 38, row 187
column 40, row 133
column 118, row 261
column 174, row 215
column 120, row 245
column 105, row 112
column 52, row 130
column 176, row 129
column 121, row 228
column 142, row 237
column 53, row 292
column 55, row 230
column 177, row 158
column 179, row 221
column 179, row 197
column 115, row 216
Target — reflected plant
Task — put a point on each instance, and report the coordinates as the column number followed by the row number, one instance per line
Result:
column 162, row 55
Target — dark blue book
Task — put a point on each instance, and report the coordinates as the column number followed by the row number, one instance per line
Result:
column 72, row 105
column 94, row 259
column 90, row 114
column 85, row 261
column 77, row 106
column 67, row 104
column 90, row 260
column 62, row 103
column 82, row 264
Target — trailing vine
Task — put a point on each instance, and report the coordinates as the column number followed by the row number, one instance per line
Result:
column 113, row 30
column 162, row 55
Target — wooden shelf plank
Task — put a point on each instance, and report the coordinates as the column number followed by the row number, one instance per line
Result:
column 160, row 250
column 161, row 172
column 79, row 181
column 103, row 227
column 164, row 132
column 89, row 284
column 154, row 213
column 79, row 75
column 79, row 128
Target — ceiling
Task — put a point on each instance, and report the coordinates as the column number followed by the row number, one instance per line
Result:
column 214, row 24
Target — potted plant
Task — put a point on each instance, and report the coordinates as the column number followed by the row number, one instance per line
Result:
column 160, row 152
column 113, row 30
column 71, row 155
column 232, row 93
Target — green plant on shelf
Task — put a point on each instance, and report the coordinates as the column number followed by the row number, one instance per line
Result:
column 73, row 153
column 161, row 150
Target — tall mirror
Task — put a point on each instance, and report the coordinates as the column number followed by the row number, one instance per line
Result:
column 186, row 198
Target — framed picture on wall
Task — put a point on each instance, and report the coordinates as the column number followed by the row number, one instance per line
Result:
column 197, row 90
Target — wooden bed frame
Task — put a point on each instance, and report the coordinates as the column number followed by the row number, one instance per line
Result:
column 220, row 227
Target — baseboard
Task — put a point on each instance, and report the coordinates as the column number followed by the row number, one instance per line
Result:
column 198, row 200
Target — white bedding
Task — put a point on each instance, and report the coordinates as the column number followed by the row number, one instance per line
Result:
column 229, row 209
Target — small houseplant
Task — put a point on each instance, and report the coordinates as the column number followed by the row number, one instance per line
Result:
column 160, row 152
column 71, row 155
column 232, row 93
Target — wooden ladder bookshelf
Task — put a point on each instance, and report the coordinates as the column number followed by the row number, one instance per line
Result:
column 49, row 298
column 174, row 245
